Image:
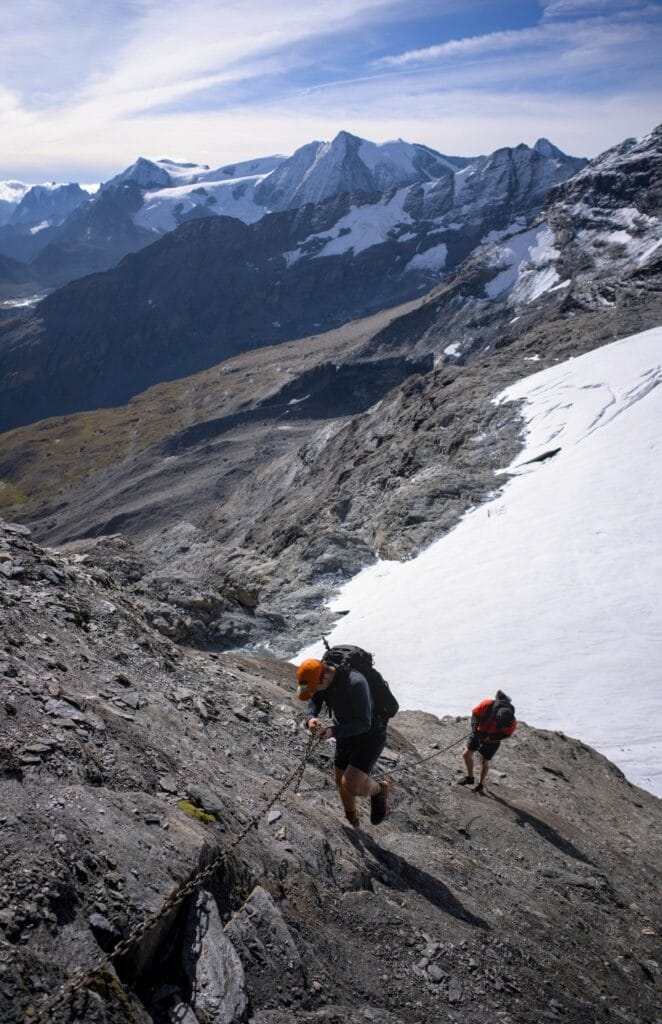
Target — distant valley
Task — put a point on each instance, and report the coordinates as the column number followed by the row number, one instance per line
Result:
column 263, row 482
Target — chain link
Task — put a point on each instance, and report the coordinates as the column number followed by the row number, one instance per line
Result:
column 82, row 976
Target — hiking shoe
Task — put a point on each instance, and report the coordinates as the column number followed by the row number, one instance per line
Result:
column 479, row 788
column 353, row 818
column 468, row 780
column 379, row 803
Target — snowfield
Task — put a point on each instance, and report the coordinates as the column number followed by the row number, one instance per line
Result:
column 163, row 208
column 528, row 257
column 552, row 590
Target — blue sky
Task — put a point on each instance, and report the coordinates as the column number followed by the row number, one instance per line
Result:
column 86, row 87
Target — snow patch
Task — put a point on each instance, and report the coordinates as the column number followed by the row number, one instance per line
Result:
column 365, row 226
column 649, row 252
column 552, row 591
column 460, row 179
column 497, row 236
column 528, row 256
column 433, row 259
column 292, row 257
column 163, row 209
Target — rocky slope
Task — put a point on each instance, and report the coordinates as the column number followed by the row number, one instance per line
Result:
column 16, row 279
column 128, row 763
column 267, row 516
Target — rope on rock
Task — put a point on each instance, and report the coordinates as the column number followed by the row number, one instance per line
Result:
column 82, row 976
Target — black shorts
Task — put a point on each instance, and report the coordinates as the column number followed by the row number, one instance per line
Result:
column 360, row 752
column 486, row 748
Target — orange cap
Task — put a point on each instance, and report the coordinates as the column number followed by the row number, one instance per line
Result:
column 309, row 675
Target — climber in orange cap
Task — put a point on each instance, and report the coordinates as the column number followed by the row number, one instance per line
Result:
column 309, row 676
column 360, row 734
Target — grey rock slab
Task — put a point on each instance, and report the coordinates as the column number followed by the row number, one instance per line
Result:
column 205, row 799
column 17, row 528
column 181, row 1013
column 55, row 576
column 261, row 937
column 212, row 966
column 62, row 709
column 454, row 990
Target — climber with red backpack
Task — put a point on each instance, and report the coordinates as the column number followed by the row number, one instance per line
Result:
column 492, row 720
column 360, row 703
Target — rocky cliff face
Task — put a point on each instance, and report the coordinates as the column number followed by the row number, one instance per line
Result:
column 16, row 279
column 95, row 237
column 33, row 221
column 127, row 764
column 48, row 204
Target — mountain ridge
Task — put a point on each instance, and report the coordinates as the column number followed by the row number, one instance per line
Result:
column 193, row 297
column 167, row 193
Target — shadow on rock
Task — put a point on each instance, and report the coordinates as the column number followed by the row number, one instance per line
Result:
column 404, row 876
column 545, row 831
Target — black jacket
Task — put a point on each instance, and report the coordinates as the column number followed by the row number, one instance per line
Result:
column 349, row 700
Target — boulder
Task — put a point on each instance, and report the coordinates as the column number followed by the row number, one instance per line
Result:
column 212, row 966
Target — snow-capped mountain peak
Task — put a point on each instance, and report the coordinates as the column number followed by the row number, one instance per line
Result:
column 351, row 164
column 144, row 173
column 11, row 193
column 48, row 205
column 433, row 208
column 151, row 175
column 547, row 148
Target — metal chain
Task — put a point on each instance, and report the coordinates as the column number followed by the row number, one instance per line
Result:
column 83, row 975
column 416, row 764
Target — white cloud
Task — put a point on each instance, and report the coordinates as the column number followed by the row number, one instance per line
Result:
column 469, row 46
column 168, row 55
column 165, row 52
column 169, row 51
column 596, row 35
column 149, row 91
column 565, row 8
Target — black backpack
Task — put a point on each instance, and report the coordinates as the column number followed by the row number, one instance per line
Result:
column 348, row 656
column 501, row 701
